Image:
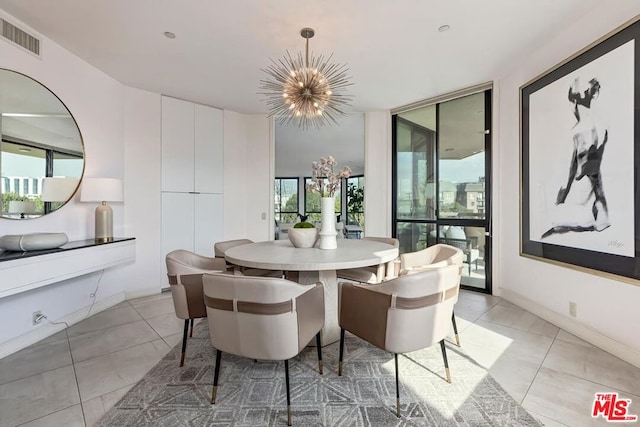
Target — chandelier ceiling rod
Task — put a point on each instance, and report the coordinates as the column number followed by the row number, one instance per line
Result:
column 307, row 33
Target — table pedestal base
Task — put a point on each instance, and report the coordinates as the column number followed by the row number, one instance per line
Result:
column 331, row 330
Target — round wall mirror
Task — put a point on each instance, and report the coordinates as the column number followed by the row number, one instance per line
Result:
column 41, row 149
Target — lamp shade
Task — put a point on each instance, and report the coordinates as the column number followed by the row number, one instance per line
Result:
column 20, row 207
column 58, row 189
column 101, row 190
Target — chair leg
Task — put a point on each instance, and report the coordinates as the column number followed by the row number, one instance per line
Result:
column 191, row 331
column 446, row 363
column 184, row 341
column 216, row 373
column 395, row 356
column 341, row 351
column 455, row 328
column 319, row 346
column 286, row 377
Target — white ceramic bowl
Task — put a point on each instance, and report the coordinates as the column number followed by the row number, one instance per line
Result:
column 303, row 237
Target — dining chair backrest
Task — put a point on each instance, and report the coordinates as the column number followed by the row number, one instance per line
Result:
column 395, row 308
column 219, row 248
column 433, row 256
column 262, row 317
column 185, row 270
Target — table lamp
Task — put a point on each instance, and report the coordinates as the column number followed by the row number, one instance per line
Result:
column 22, row 208
column 58, row 189
column 102, row 190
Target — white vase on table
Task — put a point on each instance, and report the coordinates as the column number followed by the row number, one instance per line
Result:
column 328, row 216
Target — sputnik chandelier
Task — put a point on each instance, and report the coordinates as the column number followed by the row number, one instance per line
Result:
column 306, row 90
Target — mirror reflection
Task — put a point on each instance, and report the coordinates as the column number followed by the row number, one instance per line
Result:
column 41, row 148
column 295, row 150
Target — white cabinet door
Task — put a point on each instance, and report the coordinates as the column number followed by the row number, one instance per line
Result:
column 209, row 225
column 208, row 149
column 177, row 145
column 177, row 225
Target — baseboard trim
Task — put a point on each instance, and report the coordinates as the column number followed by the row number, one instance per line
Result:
column 592, row 336
column 142, row 293
column 48, row 329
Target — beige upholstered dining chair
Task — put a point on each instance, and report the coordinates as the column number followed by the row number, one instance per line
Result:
column 185, row 270
column 220, row 248
column 435, row 256
column 375, row 273
column 262, row 318
column 405, row 314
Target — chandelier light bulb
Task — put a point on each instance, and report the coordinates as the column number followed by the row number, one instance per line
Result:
column 306, row 89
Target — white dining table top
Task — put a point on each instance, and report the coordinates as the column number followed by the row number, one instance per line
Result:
column 282, row 255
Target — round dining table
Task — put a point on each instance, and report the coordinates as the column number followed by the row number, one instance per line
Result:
column 315, row 265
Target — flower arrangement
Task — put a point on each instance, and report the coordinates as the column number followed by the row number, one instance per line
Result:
column 323, row 179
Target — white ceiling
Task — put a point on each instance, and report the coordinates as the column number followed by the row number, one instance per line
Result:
column 393, row 49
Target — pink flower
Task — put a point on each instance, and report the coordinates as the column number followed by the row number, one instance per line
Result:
column 323, row 179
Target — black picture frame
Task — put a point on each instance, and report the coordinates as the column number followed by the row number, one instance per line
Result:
column 604, row 156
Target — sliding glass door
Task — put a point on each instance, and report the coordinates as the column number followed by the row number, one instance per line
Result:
column 441, row 186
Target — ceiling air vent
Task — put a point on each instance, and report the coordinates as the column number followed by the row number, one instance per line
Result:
column 20, row 37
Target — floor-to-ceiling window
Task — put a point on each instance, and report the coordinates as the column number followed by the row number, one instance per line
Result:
column 441, row 180
column 286, row 199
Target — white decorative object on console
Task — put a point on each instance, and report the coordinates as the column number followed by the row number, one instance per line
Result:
column 33, row 241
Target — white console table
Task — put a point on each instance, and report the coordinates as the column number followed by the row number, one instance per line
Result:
column 23, row 271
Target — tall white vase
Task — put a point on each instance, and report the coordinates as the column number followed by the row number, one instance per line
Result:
column 328, row 217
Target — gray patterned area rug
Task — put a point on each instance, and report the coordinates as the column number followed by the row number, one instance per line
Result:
column 253, row 394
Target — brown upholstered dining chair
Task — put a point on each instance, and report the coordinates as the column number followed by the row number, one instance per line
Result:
column 435, row 256
column 375, row 273
column 185, row 270
column 262, row 318
column 220, row 248
column 387, row 315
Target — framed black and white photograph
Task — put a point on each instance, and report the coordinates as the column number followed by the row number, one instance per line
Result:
column 578, row 146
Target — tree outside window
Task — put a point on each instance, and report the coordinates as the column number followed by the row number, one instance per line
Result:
column 286, row 199
column 355, row 200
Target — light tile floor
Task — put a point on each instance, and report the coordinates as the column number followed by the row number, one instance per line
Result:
column 73, row 377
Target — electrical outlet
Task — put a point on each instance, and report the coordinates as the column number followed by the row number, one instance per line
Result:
column 264, row 215
column 36, row 317
column 573, row 309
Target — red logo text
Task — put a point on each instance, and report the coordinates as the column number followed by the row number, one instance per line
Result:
column 612, row 408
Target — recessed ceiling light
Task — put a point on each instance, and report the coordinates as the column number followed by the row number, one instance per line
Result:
column 169, row 35
column 444, row 28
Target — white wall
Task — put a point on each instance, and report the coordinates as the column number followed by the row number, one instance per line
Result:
column 142, row 186
column 95, row 100
column 377, row 166
column 607, row 310
column 259, row 192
